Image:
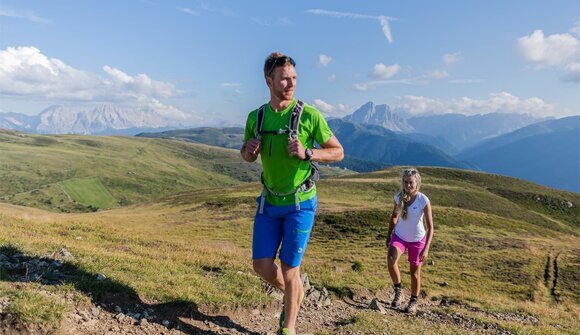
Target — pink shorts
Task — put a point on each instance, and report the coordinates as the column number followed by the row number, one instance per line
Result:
column 415, row 248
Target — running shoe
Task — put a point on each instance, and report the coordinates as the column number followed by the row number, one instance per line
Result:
column 285, row 331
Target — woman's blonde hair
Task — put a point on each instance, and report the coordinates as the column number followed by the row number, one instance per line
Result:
column 404, row 198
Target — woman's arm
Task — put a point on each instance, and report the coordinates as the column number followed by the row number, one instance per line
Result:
column 429, row 222
column 392, row 223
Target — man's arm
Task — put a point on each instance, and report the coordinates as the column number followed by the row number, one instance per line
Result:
column 330, row 152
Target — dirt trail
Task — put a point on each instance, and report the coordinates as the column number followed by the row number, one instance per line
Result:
column 110, row 318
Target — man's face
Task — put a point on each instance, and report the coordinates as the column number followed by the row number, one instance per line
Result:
column 282, row 82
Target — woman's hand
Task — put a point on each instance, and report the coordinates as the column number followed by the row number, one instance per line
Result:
column 424, row 254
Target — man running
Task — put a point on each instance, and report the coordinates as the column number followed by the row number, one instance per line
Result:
column 285, row 213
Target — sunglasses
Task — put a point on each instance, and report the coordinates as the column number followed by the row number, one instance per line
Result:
column 279, row 62
column 409, row 172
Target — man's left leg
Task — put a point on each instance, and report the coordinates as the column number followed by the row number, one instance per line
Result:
column 297, row 229
column 293, row 291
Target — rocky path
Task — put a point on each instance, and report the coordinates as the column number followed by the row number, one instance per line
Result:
column 124, row 315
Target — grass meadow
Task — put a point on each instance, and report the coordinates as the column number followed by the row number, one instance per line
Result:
column 493, row 236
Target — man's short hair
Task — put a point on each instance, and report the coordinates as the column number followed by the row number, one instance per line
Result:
column 276, row 59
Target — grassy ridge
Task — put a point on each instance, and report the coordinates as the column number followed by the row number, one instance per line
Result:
column 195, row 246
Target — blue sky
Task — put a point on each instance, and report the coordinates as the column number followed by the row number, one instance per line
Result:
column 204, row 58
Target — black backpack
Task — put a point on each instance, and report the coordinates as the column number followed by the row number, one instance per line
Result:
column 292, row 132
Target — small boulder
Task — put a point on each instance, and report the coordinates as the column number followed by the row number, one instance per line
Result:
column 377, row 306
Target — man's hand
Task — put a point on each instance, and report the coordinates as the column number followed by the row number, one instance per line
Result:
column 295, row 148
column 251, row 149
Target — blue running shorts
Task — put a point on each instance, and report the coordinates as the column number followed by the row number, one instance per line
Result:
column 286, row 225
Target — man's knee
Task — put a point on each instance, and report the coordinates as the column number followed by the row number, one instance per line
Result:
column 262, row 266
column 290, row 273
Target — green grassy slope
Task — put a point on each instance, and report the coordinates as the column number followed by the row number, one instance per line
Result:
column 491, row 246
column 132, row 169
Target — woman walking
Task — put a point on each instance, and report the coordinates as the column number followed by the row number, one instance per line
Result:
column 412, row 223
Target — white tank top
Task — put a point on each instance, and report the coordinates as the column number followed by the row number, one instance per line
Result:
column 412, row 229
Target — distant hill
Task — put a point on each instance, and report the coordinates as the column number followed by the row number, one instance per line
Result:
column 547, row 153
column 232, row 137
column 101, row 119
column 131, row 169
column 378, row 144
column 360, row 159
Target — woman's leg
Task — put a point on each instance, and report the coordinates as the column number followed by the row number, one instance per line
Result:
column 393, row 256
column 415, row 279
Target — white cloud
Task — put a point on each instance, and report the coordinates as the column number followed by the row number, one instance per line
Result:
column 329, row 110
column 331, row 78
column 573, row 72
column 451, row 58
column 381, row 71
column 383, row 20
column 557, row 50
column 576, row 29
column 361, row 87
column 26, row 72
column 549, row 50
column 496, row 103
column 323, row 106
column 324, row 60
column 27, row 15
column 231, row 85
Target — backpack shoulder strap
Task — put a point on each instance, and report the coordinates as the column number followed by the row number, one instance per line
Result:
column 295, row 118
column 260, row 120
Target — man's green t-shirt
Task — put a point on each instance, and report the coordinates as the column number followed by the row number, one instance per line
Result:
column 281, row 172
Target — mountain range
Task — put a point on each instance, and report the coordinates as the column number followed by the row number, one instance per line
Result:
column 547, row 153
column 103, row 119
column 457, row 131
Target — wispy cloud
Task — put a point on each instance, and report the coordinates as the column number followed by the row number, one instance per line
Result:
column 383, row 20
column 267, row 23
column 324, row 60
column 451, row 58
column 205, row 7
column 466, row 81
column 383, row 74
column 25, row 15
column 188, row 11
column 232, row 91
